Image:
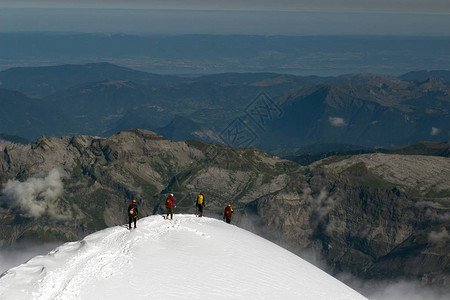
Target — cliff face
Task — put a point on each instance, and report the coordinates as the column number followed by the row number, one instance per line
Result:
column 375, row 215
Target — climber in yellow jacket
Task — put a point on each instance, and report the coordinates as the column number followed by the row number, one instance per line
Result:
column 200, row 204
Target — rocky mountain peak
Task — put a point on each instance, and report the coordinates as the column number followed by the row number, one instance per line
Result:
column 423, row 176
column 433, row 83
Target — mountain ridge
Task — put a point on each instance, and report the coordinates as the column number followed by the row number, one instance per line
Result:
column 42, row 81
column 377, row 114
column 278, row 111
column 336, row 208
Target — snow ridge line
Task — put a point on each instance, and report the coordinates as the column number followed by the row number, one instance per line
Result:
column 106, row 256
column 99, row 255
column 171, row 225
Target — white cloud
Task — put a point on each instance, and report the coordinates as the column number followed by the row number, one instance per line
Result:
column 321, row 206
column 435, row 131
column 37, row 195
column 437, row 237
column 12, row 257
column 337, row 122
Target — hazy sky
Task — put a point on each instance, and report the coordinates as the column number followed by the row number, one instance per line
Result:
column 307, row 17
column 406, row 6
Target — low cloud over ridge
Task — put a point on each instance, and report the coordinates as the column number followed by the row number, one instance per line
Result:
column 337, row 122
column 37, row 195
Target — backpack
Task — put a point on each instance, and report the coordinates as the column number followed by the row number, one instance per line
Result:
column 132, row 211
column 228, row 212
column 200, row 199
column 168, row 202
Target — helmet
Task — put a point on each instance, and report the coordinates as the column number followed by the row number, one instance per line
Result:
column 134, row 201
column 229, row 204
column 171, row 194
column 201, row 193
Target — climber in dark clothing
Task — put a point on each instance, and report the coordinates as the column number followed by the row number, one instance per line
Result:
column 228, row 213
column 132, row 214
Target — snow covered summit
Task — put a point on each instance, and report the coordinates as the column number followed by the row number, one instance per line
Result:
column 187, row 258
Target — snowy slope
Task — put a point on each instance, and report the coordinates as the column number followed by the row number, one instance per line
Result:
column 187, row 258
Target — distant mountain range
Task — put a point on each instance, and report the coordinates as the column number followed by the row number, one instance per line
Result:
column 42, row 81
column 421, row 76
column 307, row 155
column 275, row 112
column 13, row 139
column 379, row 111
column 211, row 54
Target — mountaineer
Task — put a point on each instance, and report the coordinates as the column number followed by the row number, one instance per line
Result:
column 170, row 205
column 200, row 204
column 228, row 213
column 132, row 214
